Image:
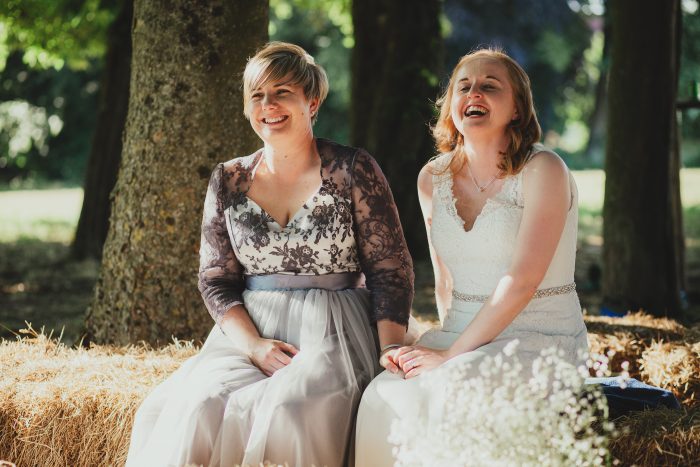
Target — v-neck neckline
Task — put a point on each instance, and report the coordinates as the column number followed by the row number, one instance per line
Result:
column 292, row 218
column 453, row 203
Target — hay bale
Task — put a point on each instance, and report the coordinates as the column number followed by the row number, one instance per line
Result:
column 644, row 326
column 674, row 366
column 74, row 407
column 619, row 347
column 627, row 338
column 658, row 437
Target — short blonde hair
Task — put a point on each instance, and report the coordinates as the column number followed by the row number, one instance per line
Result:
column 522, row 133
column 281, row 60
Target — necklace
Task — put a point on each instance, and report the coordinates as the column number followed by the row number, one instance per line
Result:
column 481, row 188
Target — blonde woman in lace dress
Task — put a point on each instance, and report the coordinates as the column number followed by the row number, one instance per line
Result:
column 302, row 261
column 501, row 216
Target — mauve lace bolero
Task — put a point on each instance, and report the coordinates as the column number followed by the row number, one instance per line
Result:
column 353, row 214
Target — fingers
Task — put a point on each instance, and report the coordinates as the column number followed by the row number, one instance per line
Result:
column 402, row 350
column 386, row 362
column 289, row 348
column 413, row 373
column 407, row 357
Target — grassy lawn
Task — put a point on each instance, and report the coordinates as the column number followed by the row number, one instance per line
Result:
column 591, row 186
column 39, row 285
column 45, row 215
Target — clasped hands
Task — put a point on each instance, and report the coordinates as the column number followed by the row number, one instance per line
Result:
column 413, row 359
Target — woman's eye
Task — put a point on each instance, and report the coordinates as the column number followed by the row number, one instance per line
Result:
column 282, row 91
column 256, row 96
column 489, row 87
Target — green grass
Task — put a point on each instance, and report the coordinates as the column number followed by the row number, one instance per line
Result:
column 591, row 187
column 38, row 283
column 46, row 215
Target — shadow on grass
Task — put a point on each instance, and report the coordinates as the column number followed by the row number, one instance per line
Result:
column 39, row 285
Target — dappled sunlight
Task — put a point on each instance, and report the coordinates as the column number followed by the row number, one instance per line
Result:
column 46, row 215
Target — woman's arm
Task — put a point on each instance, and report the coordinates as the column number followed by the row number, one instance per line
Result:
column 443, row 278
column 547, row 198
column 384, row 257
column 221, row 283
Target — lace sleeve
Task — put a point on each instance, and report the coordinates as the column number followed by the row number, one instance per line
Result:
column 384, row 257
column 221, row 281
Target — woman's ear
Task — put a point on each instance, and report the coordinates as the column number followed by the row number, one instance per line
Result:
column 313, row 107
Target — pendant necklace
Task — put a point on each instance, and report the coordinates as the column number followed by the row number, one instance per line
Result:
column 476, row 184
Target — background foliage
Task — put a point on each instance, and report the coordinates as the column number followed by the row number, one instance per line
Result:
column 51, row 57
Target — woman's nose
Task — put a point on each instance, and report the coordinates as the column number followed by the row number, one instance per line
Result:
column 473, row 92
column 268, row 100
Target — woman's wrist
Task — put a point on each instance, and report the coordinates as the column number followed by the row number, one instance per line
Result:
column 389, row 347
column 451, row 352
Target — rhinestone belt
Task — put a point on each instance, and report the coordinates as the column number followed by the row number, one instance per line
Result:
column 542, row 293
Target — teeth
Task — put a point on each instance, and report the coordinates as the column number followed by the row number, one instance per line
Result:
column 274, row 120
column 476, row 110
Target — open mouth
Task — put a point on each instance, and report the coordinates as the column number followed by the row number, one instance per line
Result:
column 273, row 120
column 476, row 111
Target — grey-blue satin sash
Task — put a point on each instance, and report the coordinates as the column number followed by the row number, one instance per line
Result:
column 333, row 281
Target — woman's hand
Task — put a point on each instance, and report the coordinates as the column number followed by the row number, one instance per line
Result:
column 271, row 355
column 388, row 360
column 415, row 359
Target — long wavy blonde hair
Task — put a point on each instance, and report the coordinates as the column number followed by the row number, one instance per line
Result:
column 522, row 133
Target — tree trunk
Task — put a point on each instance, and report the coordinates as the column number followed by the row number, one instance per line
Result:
column 396, row 62
column 598, row 121
column 642, row 207
column 185, row 114
column 105, row 154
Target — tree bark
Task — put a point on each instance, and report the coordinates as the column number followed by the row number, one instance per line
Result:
column 105, row 154
column 597, row 123
column 396, row 62
column 185, row 114
column 642, row 203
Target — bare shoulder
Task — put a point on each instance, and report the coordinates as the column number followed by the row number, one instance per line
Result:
column 545, row 164
column 425, row 180
column 437, row 165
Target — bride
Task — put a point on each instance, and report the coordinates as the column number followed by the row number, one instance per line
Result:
column 501, row 216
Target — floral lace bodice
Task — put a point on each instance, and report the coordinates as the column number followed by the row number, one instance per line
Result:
column 478, row 258
column 350, row 224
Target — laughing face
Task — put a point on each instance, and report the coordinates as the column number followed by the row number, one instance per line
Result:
column 482, row 98
column 279, row 109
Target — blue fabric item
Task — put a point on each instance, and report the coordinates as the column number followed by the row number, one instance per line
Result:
column 634, row 397
column 605, row 311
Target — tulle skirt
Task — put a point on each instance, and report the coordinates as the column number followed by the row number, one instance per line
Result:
column 553, row 322
column 219, row 409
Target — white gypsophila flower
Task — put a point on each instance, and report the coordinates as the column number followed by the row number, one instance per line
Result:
column 502, row 415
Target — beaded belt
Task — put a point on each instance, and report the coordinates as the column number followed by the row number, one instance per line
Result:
column 541, row 293
column 332, row 281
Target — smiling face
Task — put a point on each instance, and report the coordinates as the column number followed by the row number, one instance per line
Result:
column 278, row 109
column 482, row 98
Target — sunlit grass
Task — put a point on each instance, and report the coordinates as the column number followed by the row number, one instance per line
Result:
column 591, row 187
column 46, row 215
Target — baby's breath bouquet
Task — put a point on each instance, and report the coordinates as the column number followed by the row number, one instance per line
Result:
column 500, row 417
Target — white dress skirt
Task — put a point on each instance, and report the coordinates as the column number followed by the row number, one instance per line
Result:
column 302, row 415
column 477, row 259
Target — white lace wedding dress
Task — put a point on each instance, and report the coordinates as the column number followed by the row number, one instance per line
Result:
column 477, row 259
